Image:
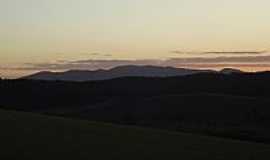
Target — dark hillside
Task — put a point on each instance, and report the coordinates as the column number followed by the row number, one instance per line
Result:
column 234, row 105
column 27, row 136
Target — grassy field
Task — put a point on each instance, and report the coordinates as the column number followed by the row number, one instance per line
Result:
column 30, row 136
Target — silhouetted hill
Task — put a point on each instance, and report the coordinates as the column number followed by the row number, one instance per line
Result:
column 121, row 71
column 231, row 71
column 227, row 105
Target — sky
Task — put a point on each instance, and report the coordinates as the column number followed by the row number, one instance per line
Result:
column 54, row 34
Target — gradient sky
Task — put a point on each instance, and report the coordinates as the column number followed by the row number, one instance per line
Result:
column 48, row 31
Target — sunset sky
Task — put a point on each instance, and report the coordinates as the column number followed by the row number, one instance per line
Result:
column 88, row 34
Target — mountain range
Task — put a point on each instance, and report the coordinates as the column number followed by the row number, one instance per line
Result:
column 121, row 71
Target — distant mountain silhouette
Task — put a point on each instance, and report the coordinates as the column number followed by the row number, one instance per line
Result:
column 121, row 71
column 231, row 71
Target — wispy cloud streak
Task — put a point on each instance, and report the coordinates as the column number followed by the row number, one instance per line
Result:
column 92, row 64
column 219, row 52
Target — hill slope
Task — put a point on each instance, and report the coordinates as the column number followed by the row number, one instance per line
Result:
column 226, row 105
column 30, row 136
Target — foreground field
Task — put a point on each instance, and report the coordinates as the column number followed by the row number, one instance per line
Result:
column 29, row 136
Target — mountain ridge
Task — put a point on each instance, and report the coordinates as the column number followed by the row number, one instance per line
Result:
column 116, row 72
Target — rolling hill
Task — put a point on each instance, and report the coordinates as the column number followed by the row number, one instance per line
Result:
column 224, row 105
column 29, row 136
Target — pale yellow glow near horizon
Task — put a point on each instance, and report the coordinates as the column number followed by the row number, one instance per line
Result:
column 50, row 30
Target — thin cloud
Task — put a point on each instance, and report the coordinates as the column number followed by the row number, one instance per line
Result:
column 107, row 55
column 220, row 52
column 184, row 52
column 221, row 59
column 93, row 64
column 177, row 52
column 94, row 54
column 100, row 54
column 89, row 64
column 236, row 52
column 224, row 65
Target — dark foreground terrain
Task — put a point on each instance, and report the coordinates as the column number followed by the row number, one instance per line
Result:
column 235, row 106
column 27, row 136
